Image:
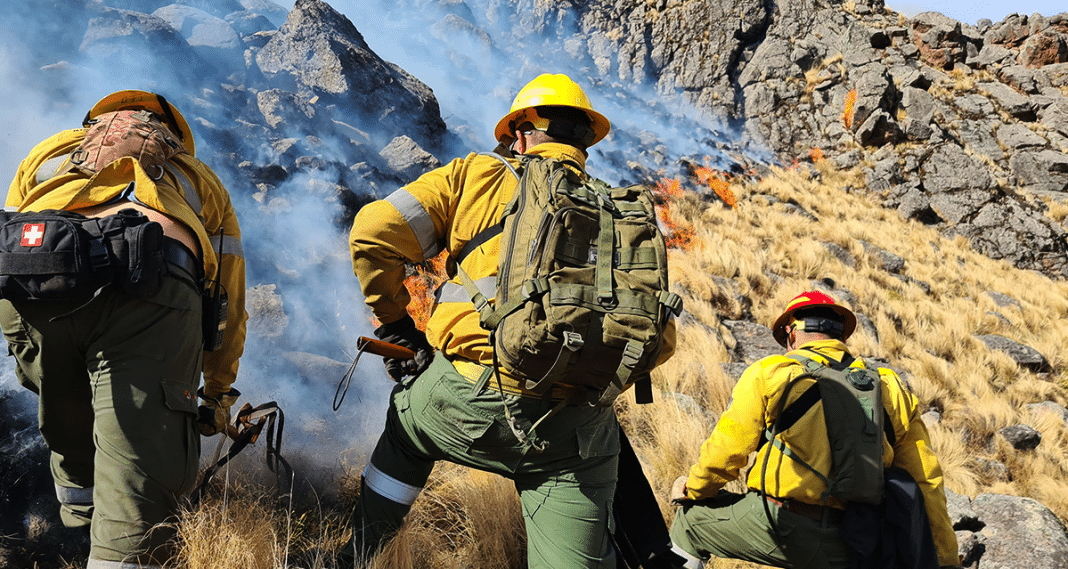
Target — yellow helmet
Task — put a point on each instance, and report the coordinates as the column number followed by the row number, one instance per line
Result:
column 133, row 98
column 548, row 90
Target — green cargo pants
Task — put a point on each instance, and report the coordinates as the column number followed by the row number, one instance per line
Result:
column 566, row 491
column 736, row 526
column 117, row 382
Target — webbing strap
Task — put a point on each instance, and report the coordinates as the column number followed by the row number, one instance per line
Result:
column 632, row 354
column 777, row 443
column 32, row 263
column 477, row 241
column 486, row 314
column 605, row 244
column 572, row 343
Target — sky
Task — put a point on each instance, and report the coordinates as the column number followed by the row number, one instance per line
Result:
column 971, row 11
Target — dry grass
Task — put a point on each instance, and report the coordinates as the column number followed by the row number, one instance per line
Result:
column 747, row 263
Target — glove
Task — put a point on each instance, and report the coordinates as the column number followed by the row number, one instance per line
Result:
column 678, row 491
column 213, row 415
column 404, row 333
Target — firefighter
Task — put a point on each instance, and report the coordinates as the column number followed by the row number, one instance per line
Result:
column 117, row 376
column 452, row 410
column 803, row 530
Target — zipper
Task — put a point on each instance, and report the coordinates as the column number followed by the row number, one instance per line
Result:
column 503, row 277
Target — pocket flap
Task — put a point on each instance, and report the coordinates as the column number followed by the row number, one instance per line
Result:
column 180, row 397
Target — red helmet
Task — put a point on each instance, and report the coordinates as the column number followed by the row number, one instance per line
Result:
column 811, row 299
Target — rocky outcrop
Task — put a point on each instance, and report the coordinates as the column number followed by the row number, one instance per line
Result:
column 988, row 102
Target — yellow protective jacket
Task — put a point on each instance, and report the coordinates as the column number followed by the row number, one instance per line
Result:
column 442, row 210
column 189, row 192
column 754, row 402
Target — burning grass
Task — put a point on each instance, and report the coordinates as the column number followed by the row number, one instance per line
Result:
column 741, row 262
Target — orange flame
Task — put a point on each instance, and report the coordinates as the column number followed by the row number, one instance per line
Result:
column 423, row 279
column 421, row 286
column 847, row 114
column 816, row 154
column 680, row 234
column 718, row 184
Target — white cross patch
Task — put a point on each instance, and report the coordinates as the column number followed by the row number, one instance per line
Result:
column 32, row 234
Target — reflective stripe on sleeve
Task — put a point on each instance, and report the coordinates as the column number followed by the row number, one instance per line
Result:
column 418, row 219
column 188, row 191
column 230, row 245
column 74, row 496
column 454, row 292
column 389, row 487
column 101, row 564
column 49, row 168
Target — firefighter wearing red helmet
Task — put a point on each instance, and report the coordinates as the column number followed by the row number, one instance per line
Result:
column 714, row 523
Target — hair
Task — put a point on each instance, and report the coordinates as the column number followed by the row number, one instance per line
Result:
column 568, row 125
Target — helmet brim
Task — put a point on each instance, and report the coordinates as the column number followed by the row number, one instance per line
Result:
column 849, row 321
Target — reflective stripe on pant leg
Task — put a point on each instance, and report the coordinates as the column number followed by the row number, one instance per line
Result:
column 389, row 487
column 74, row 496
column 101, row 564
column 691, row 561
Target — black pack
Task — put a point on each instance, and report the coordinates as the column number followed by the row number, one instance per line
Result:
column 61, row 255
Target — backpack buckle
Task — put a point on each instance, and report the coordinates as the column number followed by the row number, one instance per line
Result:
column 573, row 341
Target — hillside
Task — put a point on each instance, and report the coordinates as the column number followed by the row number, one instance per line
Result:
column 914, row 168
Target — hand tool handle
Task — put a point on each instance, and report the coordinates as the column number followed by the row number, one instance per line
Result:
column 384, row 349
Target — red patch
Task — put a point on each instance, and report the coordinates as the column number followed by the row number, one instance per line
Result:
column 32, row 234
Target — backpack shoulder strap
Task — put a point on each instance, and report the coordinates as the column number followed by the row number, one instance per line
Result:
column 811, row 396
column 493, row 230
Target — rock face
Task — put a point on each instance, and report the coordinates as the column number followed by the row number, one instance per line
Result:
column 852, row 76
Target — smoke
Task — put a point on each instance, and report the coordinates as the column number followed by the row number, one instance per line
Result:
column 308, row 309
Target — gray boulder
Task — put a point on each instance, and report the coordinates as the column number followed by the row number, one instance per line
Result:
column 1026, row 356
column 1020, row 532
column 405, row 157
column 318, row 52
column 1021, row 437
column 211, row 37
column 119, row 37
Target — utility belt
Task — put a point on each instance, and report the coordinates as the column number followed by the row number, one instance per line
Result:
column 478, row 373
column 817, row 513
column 56, row 255
column 176, row 254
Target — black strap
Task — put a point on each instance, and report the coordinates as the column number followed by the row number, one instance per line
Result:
column 171, row 120
column 476, row 241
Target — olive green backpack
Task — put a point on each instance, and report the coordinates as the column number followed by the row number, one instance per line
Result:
column 582, row 287
column 856, row 422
